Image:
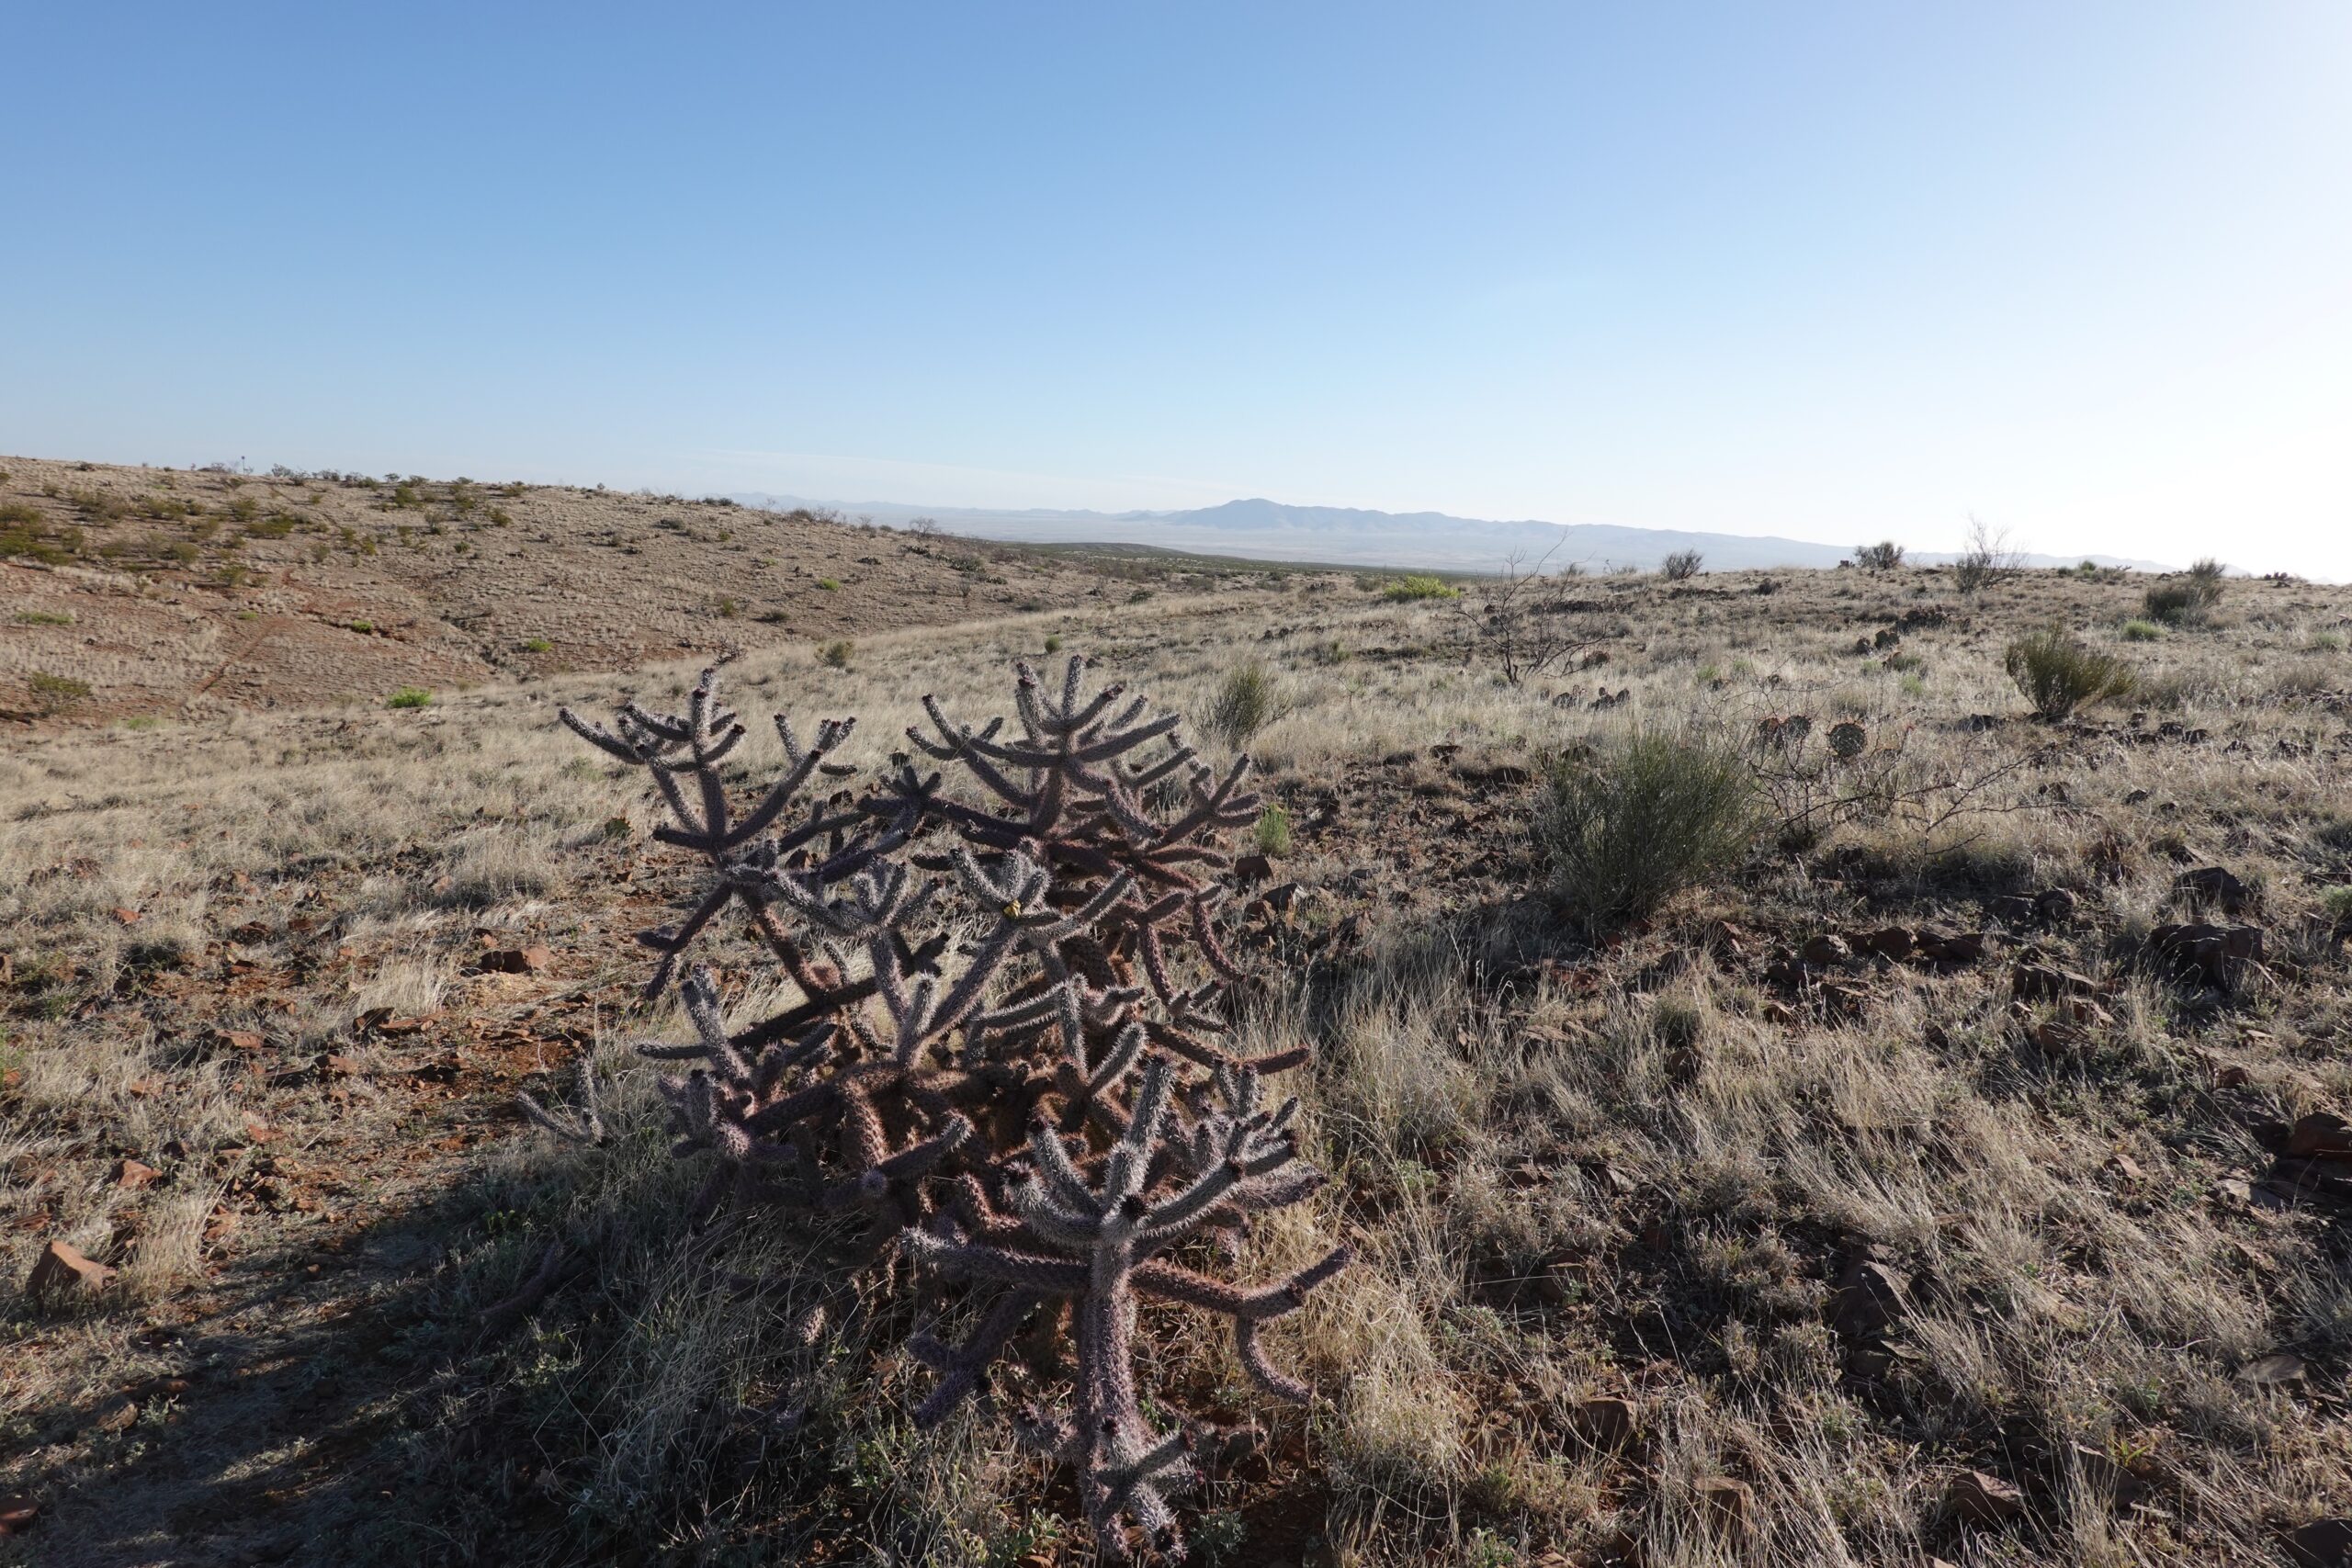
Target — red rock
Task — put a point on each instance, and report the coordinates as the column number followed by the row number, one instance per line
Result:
column 120, row 1416
column 61, row 1270
column 400, row 1026
column 16, row 1514
column 2322, row 1134
column 1983, row 1499
column 1826, row 952
column 258, row 1130
column 241, row 1039
column 1251, row 869
column 125, row 917
column 132, row 1175
column 537, row 960
column 1726, row 1506
column 1608, row 1423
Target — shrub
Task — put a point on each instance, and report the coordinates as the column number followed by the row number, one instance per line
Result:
column 364, row 628
column 2329, row 641
column 1245, row 703
column 828, row 584
column 2141, row 631
column 1623, row 834
column 998, row 1131
column 536, row 645
column 836, row 655
column 2337, row 902
column 2058, row 674
column 1986, row 558
column 44, row 619
column 1680, row 566
column 410, row 697
column 1272, row 831
column 56, row 693
column 1052, row 643
column 1884, row 556
column 1418, row 585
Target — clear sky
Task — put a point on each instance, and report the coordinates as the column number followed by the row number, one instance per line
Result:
column 1834, row 271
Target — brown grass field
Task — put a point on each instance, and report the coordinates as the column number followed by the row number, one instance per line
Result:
column 1991, row 1230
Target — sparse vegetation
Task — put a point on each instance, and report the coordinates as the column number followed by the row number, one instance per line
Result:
column 1884, row 556
column 1680, row 566
column 1246, row 702
column 1657, row 811
column 2058, row 672
column 1418, row 585
column 1986, row 558
column 410, row 697
column 837, row 655
column 56, row 693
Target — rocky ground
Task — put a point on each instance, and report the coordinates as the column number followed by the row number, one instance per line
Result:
column 1963, row 1177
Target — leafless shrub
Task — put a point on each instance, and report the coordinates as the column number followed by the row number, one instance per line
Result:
column 1988, row 557
column 1884, row 556
column 1522, row 624
column 1680, row 566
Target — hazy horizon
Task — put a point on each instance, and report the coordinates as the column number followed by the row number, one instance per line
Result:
column 1834, row 272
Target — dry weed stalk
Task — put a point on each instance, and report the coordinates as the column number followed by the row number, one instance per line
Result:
column 1044, row 1106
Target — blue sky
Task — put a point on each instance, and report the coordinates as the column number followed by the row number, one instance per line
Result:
column 1838, row 272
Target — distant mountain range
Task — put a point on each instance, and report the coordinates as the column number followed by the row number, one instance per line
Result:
column 1342, row 535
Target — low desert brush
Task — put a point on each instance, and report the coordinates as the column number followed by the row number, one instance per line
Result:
column 1246, row 702
column 2058, row 674
column 1623, row 832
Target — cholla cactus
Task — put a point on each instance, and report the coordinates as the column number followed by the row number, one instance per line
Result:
column 1050, row 1111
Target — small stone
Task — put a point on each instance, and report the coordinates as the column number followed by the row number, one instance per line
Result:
column 1893, row 943
column 537, row 959
column 124, row 917
column 1869, row 1297
column 2321, row 1134
column 1608, row 1423
column 256, row 1130
column 1983, row 1499
column 1253, row 869
column 16, row 1514
column 2323, row 1543
column 132, row 1175
column 2275, row 1371
column 240, row 1039
column 2044, row 983
column 117, row 1416
column 61, row 1270
column 1827, row 951
column 1726, row 1506
column 2055, row 906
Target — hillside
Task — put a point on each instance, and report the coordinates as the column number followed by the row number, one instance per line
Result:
column 1346, row 535
column 140, row 592
column 1893, row 1192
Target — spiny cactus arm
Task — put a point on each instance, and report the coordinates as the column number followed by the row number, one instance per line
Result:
column 963, row 1370
column 1205, row 940
column 974, row 751
column 1140, row 1486
column 1248, row 1309
column 602, row 739
column 1219, row 807
column 963, row 1259
column 878, row 1180
column 1143, row 775
column 1122, row 741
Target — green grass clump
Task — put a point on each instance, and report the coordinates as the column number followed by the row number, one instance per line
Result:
column 1246, row 700
column 536, row 645
column 2058, row 674
column 2326, row 642
column 837, row 655
column 410, row 697
column 56, row 693
column 364, row 628
column 1272, row 833
column 2141, row 631
column 826, row 585
column 44, row 619
column 1621, row 833
column 1418, row 585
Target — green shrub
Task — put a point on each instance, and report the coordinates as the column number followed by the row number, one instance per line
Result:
column 55, row 693
column 1418, row 585
column 2141, row 631
column 44, row 619
column 2058, row 674
column 364, row 628
column 1273, row 831
column 2337, row 903
column 1621, row 833
column 1245, row 703
column 2326, row 642
column 837, row 655
column 536, row 645
column 827, row 584
column 410, row 697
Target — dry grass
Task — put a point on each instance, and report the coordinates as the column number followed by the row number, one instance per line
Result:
column 1572, row 1173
